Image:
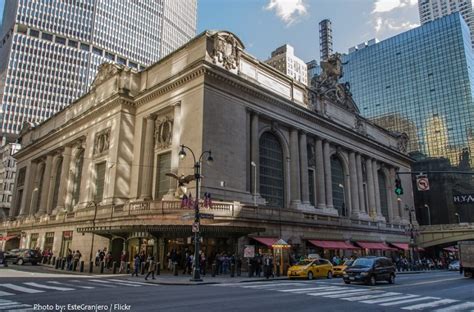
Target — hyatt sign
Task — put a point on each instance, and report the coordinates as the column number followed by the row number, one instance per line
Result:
column 463, row 199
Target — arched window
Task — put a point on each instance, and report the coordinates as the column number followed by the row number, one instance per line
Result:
column 337, row 175
column 77, row 178
column 272, row 187
column 383, row 194
column 57, row 180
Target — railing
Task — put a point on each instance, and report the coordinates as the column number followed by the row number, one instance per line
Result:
column 446, row 227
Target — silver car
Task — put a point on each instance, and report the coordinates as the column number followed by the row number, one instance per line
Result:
column 454, row 266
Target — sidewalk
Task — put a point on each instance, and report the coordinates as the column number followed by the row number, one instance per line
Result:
column 169, row 279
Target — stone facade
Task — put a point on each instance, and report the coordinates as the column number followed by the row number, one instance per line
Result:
column 97, row 167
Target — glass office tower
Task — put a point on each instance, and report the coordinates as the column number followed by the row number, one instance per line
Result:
column 50, row 50
column 420, row 82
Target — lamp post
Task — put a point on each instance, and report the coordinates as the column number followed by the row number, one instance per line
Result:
column 412, row 237
column 197, row 218
column 254, row 165
column 459, row 217
column 429, row 214
column 93, row 224
column 344, row 213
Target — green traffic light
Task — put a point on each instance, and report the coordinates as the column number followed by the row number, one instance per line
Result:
column 399, row 191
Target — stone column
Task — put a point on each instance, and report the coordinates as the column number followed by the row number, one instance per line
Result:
column 321, row 187
column 28, row 188
column 64, row 179
column 370, row 187
column 353, row 182
column 378, row 204
column 175, row 142
column 52, row 180
column 45, row 185
column 327, row 175
column 147, row 169
column 360, row 184
column 33, row 204
column 295, row 190
column 254, row 155
column 304, row 169
column 71, row 172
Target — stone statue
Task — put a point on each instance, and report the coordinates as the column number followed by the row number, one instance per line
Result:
column 182, row 182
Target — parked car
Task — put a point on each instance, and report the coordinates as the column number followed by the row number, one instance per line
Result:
column 22, row 256
column 339, row 270
column 454, row 266
column 2, row 257
column 370, row 270
column 311, row 268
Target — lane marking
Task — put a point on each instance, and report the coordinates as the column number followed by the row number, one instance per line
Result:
column 272, row 285
column 22, row 289
column 101, row 285
column 390, row 299
column 458, row 307
column 4, row 293
column 352, row 294
column 48, row 287
column 409, row 300
column 432, row 304
column 372, row 296
column 332, row 292
column 120, row 283
column 132, row 282
column 13, row 308
column 427, row 282
column 306, row 289
column 59, row 283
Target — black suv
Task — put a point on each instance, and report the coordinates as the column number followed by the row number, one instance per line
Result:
column 369, row 270
column 22, row 256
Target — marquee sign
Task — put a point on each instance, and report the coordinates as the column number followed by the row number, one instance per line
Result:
column 463, row 199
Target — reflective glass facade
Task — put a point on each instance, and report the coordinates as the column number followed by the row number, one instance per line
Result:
column 420, row 82
column 50, row 50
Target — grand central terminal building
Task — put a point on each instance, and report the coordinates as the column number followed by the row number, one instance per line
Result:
column 290, row 161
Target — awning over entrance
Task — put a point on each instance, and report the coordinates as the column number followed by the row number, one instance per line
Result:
column 451, row 249
column 267, row 241
column 376, row 246
column 332, row 244
column 170, row 230
column 402, row 246
column 7, row 238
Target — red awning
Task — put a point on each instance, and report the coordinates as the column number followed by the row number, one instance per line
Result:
column 7, row 238
column 402, row 246
column 378, row 246
column 451, row 249
column 267, row 241
column 332, row 244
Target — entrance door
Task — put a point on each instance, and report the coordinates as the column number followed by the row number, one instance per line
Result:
column 117, row 247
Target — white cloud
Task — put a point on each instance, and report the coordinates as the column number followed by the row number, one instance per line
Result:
column 393, row 16
column 287, row 10
column 381, row 6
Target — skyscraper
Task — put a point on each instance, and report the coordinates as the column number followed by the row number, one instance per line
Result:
column 325, row 39
column 284, row 60
column 419, row 82
column 50, row 50
column 432, row 9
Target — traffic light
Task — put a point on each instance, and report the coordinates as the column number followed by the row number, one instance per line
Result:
column 398, row 186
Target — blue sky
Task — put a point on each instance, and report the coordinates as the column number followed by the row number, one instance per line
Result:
column 264, row 25
column 2, row 3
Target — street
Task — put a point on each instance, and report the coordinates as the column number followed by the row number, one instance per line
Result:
column 433, row 291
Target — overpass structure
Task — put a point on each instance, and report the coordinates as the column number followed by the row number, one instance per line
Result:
column 444, row 234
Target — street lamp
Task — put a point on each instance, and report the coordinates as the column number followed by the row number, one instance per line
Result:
column 459, row 217
column 412, row 237
column 93, row 224
column 254, row 165
column 197, row 217
column 429, row 214
column 343, row 208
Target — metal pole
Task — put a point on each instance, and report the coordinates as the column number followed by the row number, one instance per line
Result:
column 429, row 214
column 255, row 185
column 93, row 224
column 197, row 219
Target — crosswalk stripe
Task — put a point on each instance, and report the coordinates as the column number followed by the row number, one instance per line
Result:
column 120, row 283
column 101, row 285
column 21, row 288
column 305, row 289
column 334, row 291
column 432, row 304
column 48, row 287
column 131, row 282
column 272, row 285
column 10, row 308
column 8, row 303
column 409, row 300
column 458, row 307
column 401, row 297
column 80, row 286
column 4, row 293
column 372, row 296
column 351, row 293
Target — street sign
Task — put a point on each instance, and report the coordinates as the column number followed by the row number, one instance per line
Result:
column 422, row 183
column 206, row 216
column 249, row 251
column 195, row 227
column 188, row 216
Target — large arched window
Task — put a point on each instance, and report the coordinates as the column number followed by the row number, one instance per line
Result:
column 57, row 180
column 272, row 186
column 77, row 178
column 337, row 175
column 383, row 194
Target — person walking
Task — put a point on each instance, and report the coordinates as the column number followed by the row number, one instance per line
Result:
column 268, row 265
column 151, row 268
column 69, row 259
column 123, row 261
column 76, row 258
column 136, row 265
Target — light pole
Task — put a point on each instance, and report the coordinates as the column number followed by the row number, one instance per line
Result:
column 412, row 237
column 254, row 165
column 197, row 217
column 93, row 224
column 459, row 217
column 343, row 208
column 429, row 214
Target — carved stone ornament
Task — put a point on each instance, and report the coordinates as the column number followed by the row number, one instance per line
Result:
column 402, row 143
column 101, row 142
column 226, row 50
column 359, row 126
column 105, row 71
column 163, row 132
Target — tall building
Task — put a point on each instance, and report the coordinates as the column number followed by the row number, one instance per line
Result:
column 314, row 69
column 419, row 82
column 7, row 177
column 50, row 50
column 432, row 9
column 284, row 60
column 325, row 39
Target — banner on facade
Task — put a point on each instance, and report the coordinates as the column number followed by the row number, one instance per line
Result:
column 249, row 251
column 463, row 199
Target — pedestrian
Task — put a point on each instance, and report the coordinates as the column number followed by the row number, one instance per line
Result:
column 151, row 268
column 97, row 257
column 123, row 261
column 77, row 257
column 202, row 263
column 69, row 257
column 136, row 265
column 268, row 266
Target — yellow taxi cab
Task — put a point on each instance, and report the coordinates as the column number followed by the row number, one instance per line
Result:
column 311, row 268
column 340, row 269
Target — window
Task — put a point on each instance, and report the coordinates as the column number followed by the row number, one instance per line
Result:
column 99, row 182
column 77, row 178
column 383, row 194
column 34, row 33
column 61, row 40
column 72, row 43
column 337, row 175
column 271, row 170
column 85, row 47
column 162, row 181
column 46, row 36
column 49, row 241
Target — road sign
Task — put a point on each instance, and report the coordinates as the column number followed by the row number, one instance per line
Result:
column 422, row 183
column 187, row 216
column 206, row 216
column 195, row 227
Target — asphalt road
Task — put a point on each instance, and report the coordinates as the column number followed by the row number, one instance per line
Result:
column 441, row 291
